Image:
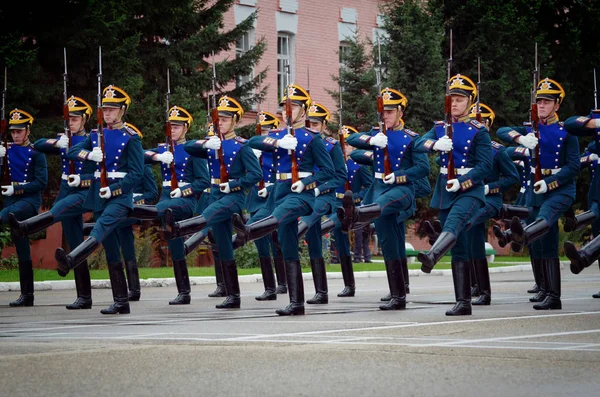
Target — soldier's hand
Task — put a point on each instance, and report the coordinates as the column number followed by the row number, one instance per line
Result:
column 529, row 141
column 62, row 142
column 225, row 188
column 165, row 157
column 453, row 185
column 105, row 193
column 287, row 142
column 2, row 151
column 74, row 180
column 213, row 142
column 593, row 157
column 297, row 187
column 380, row 140
column 486, row 190
column 444, row 144
column 8, row 190
column 175, row 193
column 257, row 153
column 95, row 155
column 389, row 179
column 137, row 197
column 263, row 192
column 540, row 187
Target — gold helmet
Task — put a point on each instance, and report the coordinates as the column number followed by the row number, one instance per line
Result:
column 318, row 113
column 462, row 85
column 550, row 89
column 298, row 95
column 115, row 97
column 19, row 119
column 393, row 99
column 268, row 120
column 485, row 110
column 229, row 107
column 178, row 115
column 79, row 107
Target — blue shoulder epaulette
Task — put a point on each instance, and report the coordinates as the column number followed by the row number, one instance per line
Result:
column 411, row 133
column 477, row 124
column 497, row 146
column 331, row 140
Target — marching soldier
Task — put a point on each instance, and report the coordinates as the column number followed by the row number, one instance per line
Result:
column 397, row 165
column 553, row 190
column 459, row 196
column 227, row 196
column 119, row 151
column 24, row 178
column 297, row 151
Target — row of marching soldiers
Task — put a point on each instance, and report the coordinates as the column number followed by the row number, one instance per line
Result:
column 297, row 183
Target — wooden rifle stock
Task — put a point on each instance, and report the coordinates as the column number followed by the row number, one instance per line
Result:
column 4, row 133
column 288, row 112
column 261, row 183
column 69, row 135
column 171, row 146
column 343, row 146
column 449, row 132
column 387, row 164
column 535, row 119
column 223, row 174
column 103, row 173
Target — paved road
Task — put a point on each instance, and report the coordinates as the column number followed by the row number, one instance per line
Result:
column 348, row 347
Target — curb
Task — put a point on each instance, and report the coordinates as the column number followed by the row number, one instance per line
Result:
column 250, row 278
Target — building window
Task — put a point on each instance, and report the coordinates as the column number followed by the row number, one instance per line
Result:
column 243, row 45
column 284, row 57
column 344, row 52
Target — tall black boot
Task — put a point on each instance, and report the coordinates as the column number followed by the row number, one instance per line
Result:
column 579, row 222
column 321, row 297
column 404, row 262
column 26, row 282
column 182, row 228
column 504, row 237
column 474, row 284
column 508, row 211
column 525, row 236
column 395, row 278
column 584, row 257
column 552, row 301
column 118, row 284
column 445, row 241
column 182, row 280
column 483, row 280
column 24, row 228
column 194, row 242
column 266, row 268
column 144, row 212
column 295, row 283
column 255, row 230
column 348, row 276
column 462, row 289
column 353, row 217
column 83, row 285
column 221, row 291
column 539, row 275
column 67, row 262
column 280, row 273
column 232, row 301
column 432, row 234
column 133, row 280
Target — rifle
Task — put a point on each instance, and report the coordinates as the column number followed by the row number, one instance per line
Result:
column 387, row 164
column 307, row 121
column 66, row 113
column 448, row 128
column 4, row 133
column 342, row 138
column 223, row 174
column 261, row 183
column 289, row 122
column 170, row 144
column 535, row 119
column 596, row 110
column 100, row 121
column 478, row 108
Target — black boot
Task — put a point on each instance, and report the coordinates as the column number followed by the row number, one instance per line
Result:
column 597, row 296
column 182, row 228
column 194, row 242
column 221, row 291
column 386, row 298
column 327, row 226
column 280, row 273
column 26, row 281
column 266, row 268
column 525, row 236
column 353, row 217
column 405, row 274
column 579, row 222
column 83, row 285
column 445, row 241
column 580, row 259
column 144, row 212
column 255, row 230
column 133, row 280
column 482, row 273
column 232, row 285
column 348, row 276
column 508, row 211
column 395, row 278
column 462, row 289
column 552, row 301
column 295, row 283
column 432, row 234
column 474, row 285
column 22, row 229
column 321, row 297
column 504, row 237
column 67, row 262
column 182, row 280
column 118, row 285
column 539, row 274
column 534, row 290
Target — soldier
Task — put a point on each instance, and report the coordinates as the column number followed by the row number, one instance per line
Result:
column 501, row 178
column 24, row 178
column 458, row 197
column 396, row 167
column 122, row 157
column 297, row 151
column 227, row 197
column 553, row 190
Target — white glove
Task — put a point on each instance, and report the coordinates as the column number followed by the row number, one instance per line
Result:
column 73, row 180
column 257, row 153
column 213, row 142
column 297, row 187
column 263, row 192
column 444, row 144
column 287, row 142
column 63, row 142
column 520, row 163
column 529, row 141
column 380, row 140
column 540, row 187
column 165, row 157
column 105, row 192
column 8, row 190
column 175, row 193
column 486, row 190
column 593, row 156
column 453, row 185
column 224, row 187
column 389, row 179
column 96, row 155
column 2, row 151
column 317, row 192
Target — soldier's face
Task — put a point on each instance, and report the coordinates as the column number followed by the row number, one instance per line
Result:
column 225, row 123
column 460, row 105
column 111, row 115
column 392, row 117
column 317, row 126
column 177, row 131
column 547, row 107
column 296, row 111
column 75, row 123
column 20, row 136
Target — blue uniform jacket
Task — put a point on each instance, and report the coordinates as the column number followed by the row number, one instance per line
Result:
column 28, row 174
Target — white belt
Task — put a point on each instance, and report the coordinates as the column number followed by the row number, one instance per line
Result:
column 267, row 184
column 288, row 175
column 547, row 171
column 181, row 184
column 379, row 175
column 457, row 171
column 111, row 175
